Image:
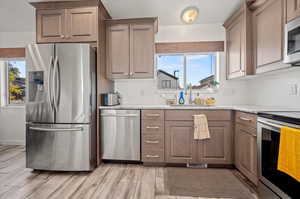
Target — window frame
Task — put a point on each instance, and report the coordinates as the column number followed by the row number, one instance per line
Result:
column 216, row 70
column 5, row 103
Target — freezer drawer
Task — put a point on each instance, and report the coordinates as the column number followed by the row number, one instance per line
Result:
column 60, row 147
column 120, row 130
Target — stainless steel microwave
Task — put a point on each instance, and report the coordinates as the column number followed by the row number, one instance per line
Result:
column 292, row 42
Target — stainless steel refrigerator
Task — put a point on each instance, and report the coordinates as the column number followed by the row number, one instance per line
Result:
column 61, row 107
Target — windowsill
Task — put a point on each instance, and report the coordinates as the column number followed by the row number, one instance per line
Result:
column 195, row 91
column 13, row 107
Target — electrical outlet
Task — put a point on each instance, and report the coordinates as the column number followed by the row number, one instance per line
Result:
column 293, row 89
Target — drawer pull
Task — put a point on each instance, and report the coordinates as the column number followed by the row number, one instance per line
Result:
column 152, row 127
column 245, row 119
column 152, row 156
column 153, row 115
column 152, row 142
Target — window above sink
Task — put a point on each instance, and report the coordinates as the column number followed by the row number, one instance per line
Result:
column 182, row 71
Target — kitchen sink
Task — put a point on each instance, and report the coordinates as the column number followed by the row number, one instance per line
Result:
column 190, row 105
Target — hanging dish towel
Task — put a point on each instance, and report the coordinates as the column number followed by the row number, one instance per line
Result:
column 289, row 152
column 201, row 131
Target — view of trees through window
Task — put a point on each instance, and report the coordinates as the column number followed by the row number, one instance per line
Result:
column 16, row 82
column 191, row 70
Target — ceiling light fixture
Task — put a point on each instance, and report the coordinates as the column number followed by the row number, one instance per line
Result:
column 189, row 14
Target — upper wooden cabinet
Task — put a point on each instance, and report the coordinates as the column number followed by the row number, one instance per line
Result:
column 118, row 46
column 292, row 9
column 268, row 36
column 67, row 25
column 238, row 44
column 50, row 25
column 130, row 48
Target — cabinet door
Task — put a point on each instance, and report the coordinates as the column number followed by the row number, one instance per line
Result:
column 180, row 146
column 292, row 9
column 141, row 50
column 82, row 24
column 118, row 51
column 246, row 147
column 50, row 25
column 268, row 36
column 217, row 149
column 234, row 49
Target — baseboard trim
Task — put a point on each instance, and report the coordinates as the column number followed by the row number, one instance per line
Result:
column 12, row 142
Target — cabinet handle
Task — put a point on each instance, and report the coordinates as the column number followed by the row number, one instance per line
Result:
column 152, row 127
column 152, row 142
column 131, row 73
column 245, row 119
column 152, row 156
column 62, row 36
column 153, row 115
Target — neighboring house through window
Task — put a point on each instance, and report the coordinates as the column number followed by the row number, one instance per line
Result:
column 181, row 71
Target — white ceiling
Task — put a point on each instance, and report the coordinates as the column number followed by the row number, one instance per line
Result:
column 169, row 11
column 18, row 15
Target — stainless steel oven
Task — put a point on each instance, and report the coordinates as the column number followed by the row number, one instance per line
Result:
column 268, row 139
column 292, row 42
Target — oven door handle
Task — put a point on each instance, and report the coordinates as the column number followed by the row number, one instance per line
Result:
column 271, row 124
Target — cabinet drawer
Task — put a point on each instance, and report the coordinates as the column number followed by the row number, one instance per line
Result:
column 153, row 115
column 246, row 119
column 153, row 156
column 152, row 141
column 156, row 127
column 187, row 115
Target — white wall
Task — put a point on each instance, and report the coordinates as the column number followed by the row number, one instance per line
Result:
column 12, row 119
column 146, row 92
column 274, row 89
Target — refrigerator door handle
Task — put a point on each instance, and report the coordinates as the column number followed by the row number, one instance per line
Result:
column 50, row 84
column 55, row 129
column 57, row 83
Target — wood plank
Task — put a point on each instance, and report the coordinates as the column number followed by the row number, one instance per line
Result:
column 50, row 186
column 107, row 181
column 12, row 52
column 92, row 182
column 190, row 47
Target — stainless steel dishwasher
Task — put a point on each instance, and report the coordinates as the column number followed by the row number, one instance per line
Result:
column 120, row 131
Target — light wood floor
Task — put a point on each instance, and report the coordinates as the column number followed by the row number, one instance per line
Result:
column 109, row 181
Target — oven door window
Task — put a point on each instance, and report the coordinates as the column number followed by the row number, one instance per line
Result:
column 269, row 159
column 293, row 41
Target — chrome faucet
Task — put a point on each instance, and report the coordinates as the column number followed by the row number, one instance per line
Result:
column 190, row 95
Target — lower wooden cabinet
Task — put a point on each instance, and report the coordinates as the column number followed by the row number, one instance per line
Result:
column 246, row 151
column 217, row 149
column 180, row 146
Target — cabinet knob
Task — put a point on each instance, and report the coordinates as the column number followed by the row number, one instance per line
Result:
column 62, row 36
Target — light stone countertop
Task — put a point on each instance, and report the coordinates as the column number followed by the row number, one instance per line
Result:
column 245, row 108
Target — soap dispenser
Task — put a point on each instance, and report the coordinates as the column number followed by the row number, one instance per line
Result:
column 181, row 98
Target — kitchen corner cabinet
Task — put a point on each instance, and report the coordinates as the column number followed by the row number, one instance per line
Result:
column 246, row 145
column 130, row 48
column 239, row 44
column 67, row 25
column 268, row 35
column 292, row 9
